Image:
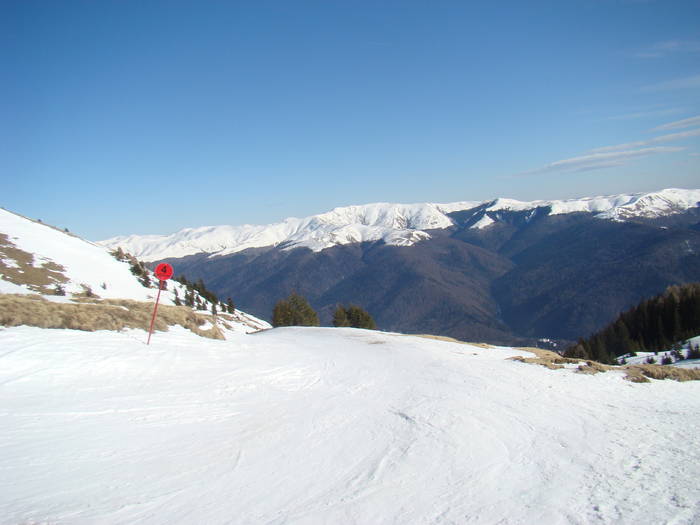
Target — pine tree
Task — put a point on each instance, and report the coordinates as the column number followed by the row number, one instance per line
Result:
column 189, row 299
column 282, row 314
column 353, row 316
column 294, row 311
column 359, row 318
column 230, row 307
column 340, row 317
column 213, row 309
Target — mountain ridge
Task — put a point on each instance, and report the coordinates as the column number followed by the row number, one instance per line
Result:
column 393, row 224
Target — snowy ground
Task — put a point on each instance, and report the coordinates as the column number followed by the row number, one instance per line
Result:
column 331, row 426
column 641, row 357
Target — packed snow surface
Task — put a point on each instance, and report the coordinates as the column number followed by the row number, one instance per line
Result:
column 395, row 224
column 331, row 426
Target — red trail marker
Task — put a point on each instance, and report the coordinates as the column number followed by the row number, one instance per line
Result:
column 164, row 272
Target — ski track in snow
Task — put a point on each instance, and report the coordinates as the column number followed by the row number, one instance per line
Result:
column 331, row 426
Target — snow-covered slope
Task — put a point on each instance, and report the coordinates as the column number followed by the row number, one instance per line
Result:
column 395, row 224
column 337, row 426
column 640, row 358
column 36, row 258
column 71, row 261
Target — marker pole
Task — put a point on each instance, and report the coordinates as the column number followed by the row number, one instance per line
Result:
column 155, row 311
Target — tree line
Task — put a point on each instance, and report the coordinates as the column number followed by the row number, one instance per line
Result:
column 296, row 311
column 653, row 325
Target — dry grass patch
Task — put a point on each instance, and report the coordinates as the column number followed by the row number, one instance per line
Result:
column 634, row 373
column 546, row 358
column 17, row 266
column 450, row 340
column 108, row 314
column 640, row 373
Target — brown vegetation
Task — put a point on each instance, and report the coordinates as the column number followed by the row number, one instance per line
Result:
column 92, row 314
column 22, row 270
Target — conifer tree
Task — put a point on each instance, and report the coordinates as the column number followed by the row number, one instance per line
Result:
column 294, row 311
column 340, row 317
column 353, row 316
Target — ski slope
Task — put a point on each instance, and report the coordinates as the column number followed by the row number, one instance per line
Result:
column 321, row 425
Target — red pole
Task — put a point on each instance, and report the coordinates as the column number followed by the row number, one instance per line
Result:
column 155, row 310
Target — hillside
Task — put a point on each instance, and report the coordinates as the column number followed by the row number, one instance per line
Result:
column 66, row 281
column 331, row 426
column 653, row 325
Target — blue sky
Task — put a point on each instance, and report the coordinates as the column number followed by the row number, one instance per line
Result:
column 121, row 117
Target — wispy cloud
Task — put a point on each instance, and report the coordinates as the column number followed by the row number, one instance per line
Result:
column 649, row 142
column 672, row 85
column 596, row 161
column 662, row 49
column 679, row 124
column 646, row 114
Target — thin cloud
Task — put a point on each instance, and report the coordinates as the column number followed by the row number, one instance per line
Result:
column 672, row 85
column 679, row 124
column 597, row 161
column 662, row 49
column 649, row 142
column 646, row 114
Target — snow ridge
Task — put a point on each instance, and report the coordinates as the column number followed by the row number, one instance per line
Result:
column 394, row 224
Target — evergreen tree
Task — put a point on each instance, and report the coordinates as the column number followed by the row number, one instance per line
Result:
column 282, row 314
column 230, row 307
column 359, row 318
column 340, row 317
column 213, row 309
column 294, row 311
column 189, row 299
column 353, row 316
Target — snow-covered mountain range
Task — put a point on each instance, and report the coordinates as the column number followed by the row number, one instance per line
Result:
column 395, row 224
